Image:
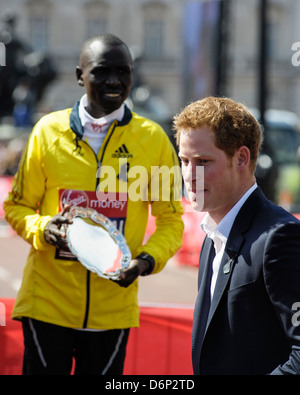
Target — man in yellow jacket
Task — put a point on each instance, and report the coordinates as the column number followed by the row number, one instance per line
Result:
column 66, row 310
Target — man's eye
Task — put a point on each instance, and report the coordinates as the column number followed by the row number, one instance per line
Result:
column 202, row 162
column 123, row 70
column 100, row 71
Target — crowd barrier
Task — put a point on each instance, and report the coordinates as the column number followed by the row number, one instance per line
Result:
column 160, row 346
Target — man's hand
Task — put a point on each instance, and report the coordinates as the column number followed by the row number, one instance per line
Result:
column 53, row 233
column 136, row 268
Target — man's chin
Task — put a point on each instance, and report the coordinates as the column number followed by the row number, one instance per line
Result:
column 110, row 105
column 196, row 198
column 197, row 206
column 197, row 202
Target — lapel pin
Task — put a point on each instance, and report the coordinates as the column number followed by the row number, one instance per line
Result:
column 227, row 266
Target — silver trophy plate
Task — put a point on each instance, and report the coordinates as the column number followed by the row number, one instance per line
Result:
column 97, row 243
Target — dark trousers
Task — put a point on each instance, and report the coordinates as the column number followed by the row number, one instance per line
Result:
column 50, row 349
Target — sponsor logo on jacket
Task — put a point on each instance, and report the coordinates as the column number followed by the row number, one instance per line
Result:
column 122, row 152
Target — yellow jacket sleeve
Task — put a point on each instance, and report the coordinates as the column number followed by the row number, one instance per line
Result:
column 167, row 209
column 22, row 204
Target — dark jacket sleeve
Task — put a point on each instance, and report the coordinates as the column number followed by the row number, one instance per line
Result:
column 282, row 279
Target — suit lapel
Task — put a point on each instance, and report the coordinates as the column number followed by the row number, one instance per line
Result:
column 233, row 246
column 200, row 312
column 226, row 268
column 204, row 257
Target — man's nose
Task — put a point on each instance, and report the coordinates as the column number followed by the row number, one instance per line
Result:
column 193, row 172
column 189, row 173
column 113, row 78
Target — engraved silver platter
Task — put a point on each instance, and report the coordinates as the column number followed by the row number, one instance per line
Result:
column 97, row 243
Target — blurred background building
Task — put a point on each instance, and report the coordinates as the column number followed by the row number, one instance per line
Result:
column 183, row 50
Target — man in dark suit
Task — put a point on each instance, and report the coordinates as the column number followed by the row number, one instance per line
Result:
column 246, row 318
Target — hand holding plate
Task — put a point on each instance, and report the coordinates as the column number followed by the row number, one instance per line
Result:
column 53, row 233
column 136, row 268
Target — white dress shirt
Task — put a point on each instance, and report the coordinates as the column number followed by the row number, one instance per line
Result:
column 219, row 233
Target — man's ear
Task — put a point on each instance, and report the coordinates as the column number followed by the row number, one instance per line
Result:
column 243, row 157
column 79, row 76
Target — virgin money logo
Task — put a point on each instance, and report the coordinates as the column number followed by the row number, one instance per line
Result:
column 74, row 198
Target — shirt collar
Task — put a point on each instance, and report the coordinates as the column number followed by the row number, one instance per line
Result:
column 223, row 229
column 107, row 119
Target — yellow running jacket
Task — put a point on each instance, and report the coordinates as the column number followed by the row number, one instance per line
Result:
column 58, row 167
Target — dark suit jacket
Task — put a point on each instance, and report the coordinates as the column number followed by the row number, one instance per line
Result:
column 252, row 327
